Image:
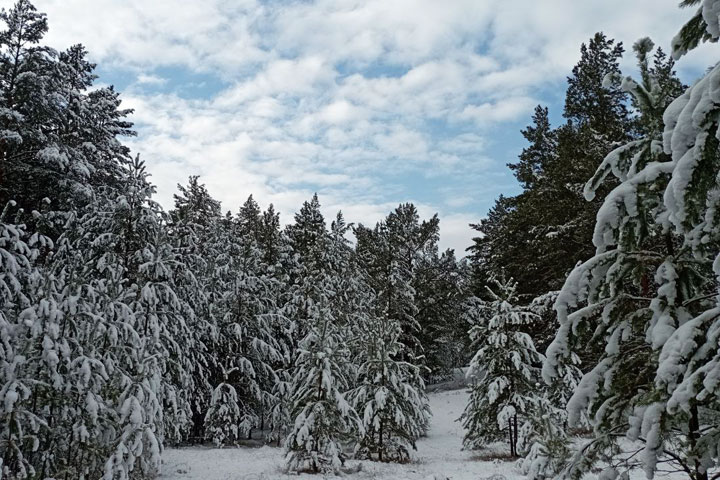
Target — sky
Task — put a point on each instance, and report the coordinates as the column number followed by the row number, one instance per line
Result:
column 368, row 103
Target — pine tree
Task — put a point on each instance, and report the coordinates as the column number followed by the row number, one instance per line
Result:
column 307, row 241
column 390, row 253
column 20, row 425
column 323, row 308
column 140, row 332
column 542, row 149
column 504, row 370
column 537, row 237
column 440, row 286
column 59, row 139
column 196, row 234
column 545, row 439
column 393, row 410
column 407, row 239
column 245, row 346
column 277, row 255
column 75, row 339
column 224, row 416
column 299, row 254
column 517, row 217
column 323, row 419
column 611, row 298
column 545, row 436
column 687, row 370
column 271, row 240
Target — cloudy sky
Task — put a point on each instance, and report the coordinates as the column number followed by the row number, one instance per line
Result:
column 369, row 103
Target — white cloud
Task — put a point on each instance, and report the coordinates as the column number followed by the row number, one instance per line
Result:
column 456, row 232
column 500, row 111
column 346, row 97
column 209, row 35
column 149, row 79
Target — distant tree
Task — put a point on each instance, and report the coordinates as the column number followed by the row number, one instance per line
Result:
column 391, row 253
column 441, row 290
column 538, row 236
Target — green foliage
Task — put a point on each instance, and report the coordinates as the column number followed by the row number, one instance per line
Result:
column 537, row 237
column 390, row 397
column 504, row 371
column 59, row 137
column 640, row 294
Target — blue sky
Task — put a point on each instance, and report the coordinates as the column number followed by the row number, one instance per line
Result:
column 369, row 103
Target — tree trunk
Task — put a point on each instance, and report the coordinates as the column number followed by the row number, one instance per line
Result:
column 380, row 443
column 694, row 427
column 510, row 435
column 515, row 435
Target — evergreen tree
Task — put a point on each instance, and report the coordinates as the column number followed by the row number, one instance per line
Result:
column 59, row 139
column 330, row 302
column 95, row 358
column 271, row 240
column 538, row 236
column 196, row 233
column 277, row 255
column 306, row 239
column 20, row 425
column 407, row 239
column 440, row 286
column 392, row 407
column 224, row 416
column 687, row 370
column 143, row 338
column 390, row 254
column 308, row 234
column 323, row 419
column 611, row 299
column 544, row 437
column 245, row 348
column 504, row 370
column 307, row 242
column 540, row 153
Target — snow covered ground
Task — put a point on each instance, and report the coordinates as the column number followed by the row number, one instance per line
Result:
column 439, row 456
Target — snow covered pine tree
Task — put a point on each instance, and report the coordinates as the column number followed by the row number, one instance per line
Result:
column 393, row 410
column 323, row 420
column 659, row 370
column 245, row 347
column 504, row 371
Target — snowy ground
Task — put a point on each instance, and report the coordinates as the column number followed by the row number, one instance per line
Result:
column 439, row 456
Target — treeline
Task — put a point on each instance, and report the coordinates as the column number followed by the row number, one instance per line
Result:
column 125, row 328
column 616, row 228
column 590, row 299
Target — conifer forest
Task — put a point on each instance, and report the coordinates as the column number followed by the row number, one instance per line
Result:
column 578, row 337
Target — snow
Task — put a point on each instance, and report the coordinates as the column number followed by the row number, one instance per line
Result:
column 711, row 15
column 439, row 457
